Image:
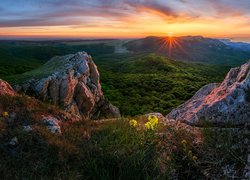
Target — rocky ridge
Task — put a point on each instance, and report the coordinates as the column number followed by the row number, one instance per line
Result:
column 73, row 83
column 225, row 103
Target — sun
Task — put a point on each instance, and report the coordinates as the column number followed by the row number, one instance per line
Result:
column 170, row 34
column 169, row 44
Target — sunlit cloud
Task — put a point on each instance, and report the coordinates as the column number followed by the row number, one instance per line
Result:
column 124, row 18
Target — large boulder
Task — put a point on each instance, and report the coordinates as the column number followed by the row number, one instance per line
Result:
column 6, row 89
column 72, row 82
column 225, row 103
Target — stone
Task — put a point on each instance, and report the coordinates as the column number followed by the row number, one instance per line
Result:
column 73, row 83
column 52, row 123
column 105, row 110
column 221, row 104
column 6, row 89
column 27, row 128
column 13, row 141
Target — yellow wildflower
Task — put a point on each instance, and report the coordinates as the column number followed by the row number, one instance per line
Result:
column 184, row 142
column 149, row 126
column 5, row 114
column 194, row 158
column 133, row 123
column 153, row 119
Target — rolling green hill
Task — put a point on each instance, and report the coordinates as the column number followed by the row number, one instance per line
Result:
column 17, row 57
column 191, row 49
column 143, row 84
column 136, row 83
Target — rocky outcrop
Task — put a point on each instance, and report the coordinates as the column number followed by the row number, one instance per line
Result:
column 5, row 88
column 72, row 82
column 225, row 103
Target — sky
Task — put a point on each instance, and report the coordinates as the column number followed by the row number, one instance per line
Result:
column 124, row 18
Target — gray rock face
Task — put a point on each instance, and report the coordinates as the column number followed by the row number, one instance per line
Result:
column 5, row 88
column 225, row 103
column 72, row 82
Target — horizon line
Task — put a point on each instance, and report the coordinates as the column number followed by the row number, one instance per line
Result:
column 28, row 38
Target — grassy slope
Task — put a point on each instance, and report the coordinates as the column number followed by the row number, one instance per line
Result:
column 56, row 63
column 112, row 149
column 17, row 58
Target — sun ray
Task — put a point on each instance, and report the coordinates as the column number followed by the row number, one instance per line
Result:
column 169, row 44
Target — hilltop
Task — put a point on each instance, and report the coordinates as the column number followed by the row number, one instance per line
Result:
column 192, row 49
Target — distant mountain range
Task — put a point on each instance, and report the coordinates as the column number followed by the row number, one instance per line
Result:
column 16, row 53
column 240, row 45
column 193, row 49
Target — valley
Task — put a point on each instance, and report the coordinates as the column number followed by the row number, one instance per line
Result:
column 136, row 82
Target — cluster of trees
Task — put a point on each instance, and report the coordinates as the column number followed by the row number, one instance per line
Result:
column 152, row 83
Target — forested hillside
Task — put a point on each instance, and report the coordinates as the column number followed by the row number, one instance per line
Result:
column 137, row 83
column 153, row 83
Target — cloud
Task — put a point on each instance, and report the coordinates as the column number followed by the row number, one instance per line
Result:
column 152, row 5
column 23, row 13
column 36, row 22
column 223, row 9
column 66, row 12
column 63, row 13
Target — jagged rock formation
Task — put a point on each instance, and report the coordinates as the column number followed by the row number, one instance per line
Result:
column 72, row 82
column 225, row 103
column 5, row 88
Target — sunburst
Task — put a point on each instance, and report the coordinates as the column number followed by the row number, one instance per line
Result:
column 169, row 43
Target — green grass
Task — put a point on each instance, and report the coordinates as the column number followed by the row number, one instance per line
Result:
column 57, row 63
column 17, row 57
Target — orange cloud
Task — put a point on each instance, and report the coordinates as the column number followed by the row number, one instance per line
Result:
column 127, row 18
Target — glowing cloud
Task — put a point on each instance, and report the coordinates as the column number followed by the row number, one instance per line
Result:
column 125, row 18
